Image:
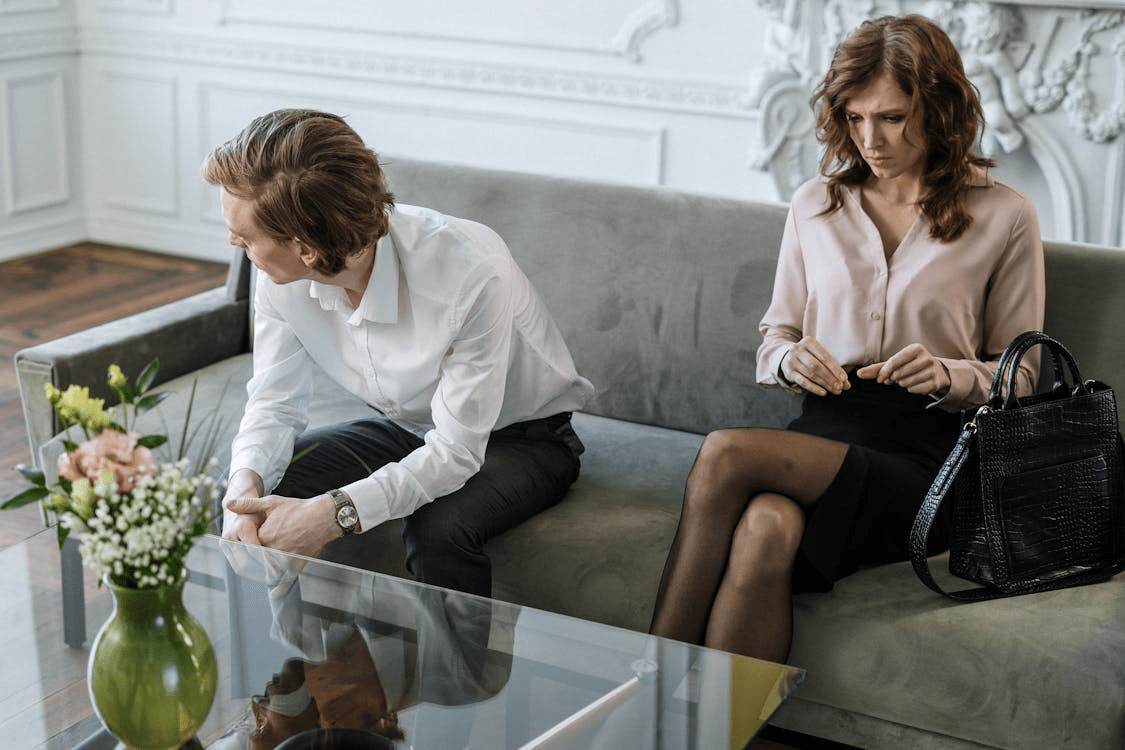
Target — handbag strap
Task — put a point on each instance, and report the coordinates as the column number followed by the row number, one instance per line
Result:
column 920, row 531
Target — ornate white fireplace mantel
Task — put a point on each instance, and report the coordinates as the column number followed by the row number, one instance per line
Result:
column 1051, row 77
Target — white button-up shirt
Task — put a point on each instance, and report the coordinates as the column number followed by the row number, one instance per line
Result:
column 449, row 340
column 963, row 300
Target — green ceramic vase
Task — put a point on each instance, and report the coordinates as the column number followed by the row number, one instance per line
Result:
column 152, row 671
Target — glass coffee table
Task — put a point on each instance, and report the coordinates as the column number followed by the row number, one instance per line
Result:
column 305, row 643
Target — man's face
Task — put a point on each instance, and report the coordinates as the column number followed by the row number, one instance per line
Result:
column 283, row 262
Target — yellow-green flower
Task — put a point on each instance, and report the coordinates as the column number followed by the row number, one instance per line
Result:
column 117, row 379
column 58, row 502
column 83, row 499
column 75, row 406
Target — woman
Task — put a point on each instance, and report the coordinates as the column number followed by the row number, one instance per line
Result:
column 903, row 273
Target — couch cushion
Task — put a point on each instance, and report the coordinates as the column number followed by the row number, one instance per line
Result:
column 599, row 553
column 1043, row 670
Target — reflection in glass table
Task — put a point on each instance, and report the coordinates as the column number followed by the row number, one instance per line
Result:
column 305, row 646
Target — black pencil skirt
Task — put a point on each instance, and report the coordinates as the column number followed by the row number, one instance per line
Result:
column 864, row 517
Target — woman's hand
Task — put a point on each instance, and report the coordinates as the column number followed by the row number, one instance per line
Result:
column 808, row 365
column 913, row 368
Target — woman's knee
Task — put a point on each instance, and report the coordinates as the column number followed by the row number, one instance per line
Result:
column 767, row 537
column 727, row 456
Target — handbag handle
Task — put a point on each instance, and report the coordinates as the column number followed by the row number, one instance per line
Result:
column 1008, row 369
column 1006, row 357
column 1017, row 345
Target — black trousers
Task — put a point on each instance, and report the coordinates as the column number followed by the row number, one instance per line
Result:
column 528, row 467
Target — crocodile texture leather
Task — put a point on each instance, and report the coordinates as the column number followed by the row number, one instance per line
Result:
column 1037, row 486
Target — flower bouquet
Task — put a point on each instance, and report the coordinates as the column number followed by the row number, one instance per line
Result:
column 137, row 517
column 152, row 672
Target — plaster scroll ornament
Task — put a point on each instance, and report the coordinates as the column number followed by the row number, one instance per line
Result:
column 988, row 37
column 1066, row 81
column 786, row 48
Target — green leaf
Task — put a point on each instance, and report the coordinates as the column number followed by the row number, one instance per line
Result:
column 144, row 380
column 32, row 474
column 69, row 445
column 308, row 449
column 152, row 441
column 63, row 533
column 66, row 485
column 151, row 400
column 187, row 419
column 30, row 495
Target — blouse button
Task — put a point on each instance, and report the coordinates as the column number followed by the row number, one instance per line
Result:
column 876, row 316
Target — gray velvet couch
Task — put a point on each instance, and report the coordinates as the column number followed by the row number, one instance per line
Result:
column 658, row 294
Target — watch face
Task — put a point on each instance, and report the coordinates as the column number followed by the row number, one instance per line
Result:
column 347, row 517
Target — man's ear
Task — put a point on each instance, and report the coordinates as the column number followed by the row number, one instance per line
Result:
column 307, row 254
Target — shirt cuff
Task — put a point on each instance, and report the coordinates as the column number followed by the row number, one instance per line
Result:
column 779, row 377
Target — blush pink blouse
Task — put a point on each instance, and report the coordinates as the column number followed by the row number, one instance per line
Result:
column 963, row 300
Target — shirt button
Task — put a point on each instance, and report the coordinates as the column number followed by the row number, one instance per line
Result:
column 876, row 316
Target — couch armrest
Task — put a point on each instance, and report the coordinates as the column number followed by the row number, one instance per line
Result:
column 185, row 335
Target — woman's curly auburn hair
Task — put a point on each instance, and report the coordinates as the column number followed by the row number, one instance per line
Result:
column 310, row 178
column 928, row 67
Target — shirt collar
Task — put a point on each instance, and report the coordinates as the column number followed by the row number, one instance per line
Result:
column 380, row 300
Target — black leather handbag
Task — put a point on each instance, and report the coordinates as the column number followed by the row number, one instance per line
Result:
column 1037, row 482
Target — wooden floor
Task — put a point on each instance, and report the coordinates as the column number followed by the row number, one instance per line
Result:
column 43, row 297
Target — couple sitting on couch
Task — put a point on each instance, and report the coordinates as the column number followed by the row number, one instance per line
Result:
column 904, row 271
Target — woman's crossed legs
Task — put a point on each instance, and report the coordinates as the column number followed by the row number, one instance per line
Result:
column 726, row 583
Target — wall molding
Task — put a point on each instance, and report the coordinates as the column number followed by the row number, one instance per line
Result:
column 27, row 6
column 637, row 151
column 58, row 192
column 134, row 195
column 158, row 7
column 512, row 80
column 616, row 31
column 643, row 23
column 38, row 43
column 28, row 238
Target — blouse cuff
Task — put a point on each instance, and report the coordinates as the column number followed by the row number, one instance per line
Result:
column 780, row 377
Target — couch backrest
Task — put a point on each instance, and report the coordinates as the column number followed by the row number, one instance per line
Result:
column 658, row 293
column 1086, row 309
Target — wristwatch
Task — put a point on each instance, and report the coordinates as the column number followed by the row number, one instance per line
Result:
column 346, row 514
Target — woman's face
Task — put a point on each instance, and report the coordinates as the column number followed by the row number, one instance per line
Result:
column 886, row 129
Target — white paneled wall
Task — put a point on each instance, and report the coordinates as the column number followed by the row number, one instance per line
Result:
column 41, row 196
column 107, row 107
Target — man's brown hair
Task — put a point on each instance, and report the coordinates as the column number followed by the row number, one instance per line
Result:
column 928, row 68
column 310, row 178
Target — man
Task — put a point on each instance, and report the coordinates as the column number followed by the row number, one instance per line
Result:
column 425, row 317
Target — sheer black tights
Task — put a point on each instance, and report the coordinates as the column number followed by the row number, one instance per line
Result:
column 726, row 583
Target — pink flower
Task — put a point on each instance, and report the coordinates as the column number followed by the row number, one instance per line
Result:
column 113, row 450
